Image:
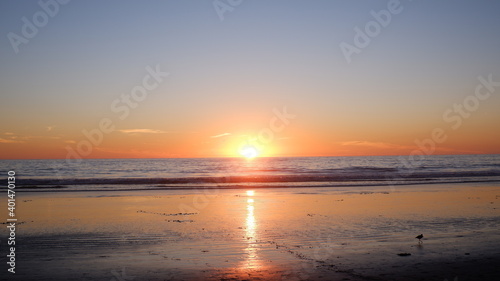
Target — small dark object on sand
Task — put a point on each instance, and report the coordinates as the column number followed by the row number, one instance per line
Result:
column 404, row 254
column 419, row 237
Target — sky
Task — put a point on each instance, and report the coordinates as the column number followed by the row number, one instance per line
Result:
column 159, row 79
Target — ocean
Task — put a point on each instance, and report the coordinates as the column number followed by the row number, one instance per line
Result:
column 283, row 172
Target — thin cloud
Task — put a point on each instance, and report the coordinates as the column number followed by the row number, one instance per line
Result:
column 10, row 141
column 376, row 144
column 142, row 131
column 221, row 135
column 13, row 138
column 385, row 145
column 41, row 137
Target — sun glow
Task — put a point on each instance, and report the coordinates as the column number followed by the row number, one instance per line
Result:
column 249, row 152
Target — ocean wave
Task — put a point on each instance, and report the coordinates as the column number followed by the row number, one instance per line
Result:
column 112, row 174
column 383, row 175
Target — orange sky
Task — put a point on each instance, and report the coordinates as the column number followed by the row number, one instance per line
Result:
column 226, row 138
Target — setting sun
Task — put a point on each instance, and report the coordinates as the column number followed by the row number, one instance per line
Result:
column 249, row 152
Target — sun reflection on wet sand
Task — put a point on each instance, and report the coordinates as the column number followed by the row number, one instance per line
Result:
column 252, row 261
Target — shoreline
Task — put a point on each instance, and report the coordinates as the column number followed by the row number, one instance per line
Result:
column 24, row 189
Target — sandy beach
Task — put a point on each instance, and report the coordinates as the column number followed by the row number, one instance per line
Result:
column 259, row 234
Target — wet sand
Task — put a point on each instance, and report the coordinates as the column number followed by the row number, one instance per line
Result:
column 259, row 234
